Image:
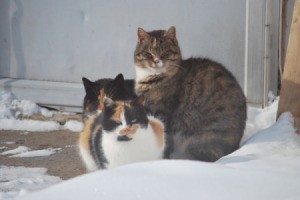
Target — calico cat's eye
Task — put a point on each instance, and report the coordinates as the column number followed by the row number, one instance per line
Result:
column 119, row 123
column 133, row 121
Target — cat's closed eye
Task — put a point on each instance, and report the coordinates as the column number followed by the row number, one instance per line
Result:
column 166, row 54
column 119, row 123
column 144, row 55
column 147, row 55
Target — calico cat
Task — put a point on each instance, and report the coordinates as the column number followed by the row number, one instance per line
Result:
column 117, row 89
column 201, row 103
column 119, row 134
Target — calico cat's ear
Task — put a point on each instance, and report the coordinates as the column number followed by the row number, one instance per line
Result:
column 142, row 35
column 141, row 100
column 119, row 80
column 88, row 85
column 171, row 33
column 91, row 88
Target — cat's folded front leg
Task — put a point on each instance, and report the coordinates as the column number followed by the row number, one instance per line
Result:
column 148, row 83
column 143, row 88
column 152, row 79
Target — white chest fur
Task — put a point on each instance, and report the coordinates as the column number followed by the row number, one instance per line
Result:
column 142, row 73
column 143, row 147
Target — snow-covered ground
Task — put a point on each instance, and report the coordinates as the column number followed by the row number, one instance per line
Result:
column 18, row 181
column 11, row 108
column 23, row 151
column 265, row 167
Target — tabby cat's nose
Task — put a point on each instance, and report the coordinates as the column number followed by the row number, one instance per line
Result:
column 156, row 60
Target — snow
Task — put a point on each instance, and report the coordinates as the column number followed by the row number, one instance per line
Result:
column 265, row 167
column 18, row 150
column 19, row 180
column 259, row 118
column 73, row 125
column 11, row 108
column 3, row 147
column 28, row 125
column 37, row 153
column 23, row 151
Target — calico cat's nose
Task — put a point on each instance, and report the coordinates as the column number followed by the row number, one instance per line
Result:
column 126, row 130
column 130, row 130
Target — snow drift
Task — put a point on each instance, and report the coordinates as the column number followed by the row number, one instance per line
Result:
column 265, row 167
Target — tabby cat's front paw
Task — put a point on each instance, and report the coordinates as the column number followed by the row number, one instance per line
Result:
column 152, row 78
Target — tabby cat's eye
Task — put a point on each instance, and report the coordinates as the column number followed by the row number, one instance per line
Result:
column 166, row 54
column 148, row 55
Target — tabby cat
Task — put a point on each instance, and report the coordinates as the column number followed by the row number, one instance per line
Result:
column 116, row 89
column 120, row 132
column 200, row 101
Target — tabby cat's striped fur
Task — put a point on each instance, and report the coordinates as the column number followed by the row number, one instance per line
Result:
column 200, row 101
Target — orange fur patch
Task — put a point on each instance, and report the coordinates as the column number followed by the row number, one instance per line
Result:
column 159, row 131
column 100, row 99
column 86, row 134
column 100, row 106
column 130, row 131
column 118, row 111
column 120, row 107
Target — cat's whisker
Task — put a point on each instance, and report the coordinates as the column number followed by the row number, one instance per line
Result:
column 178, row 66
column 95, row 91
column 113, row 91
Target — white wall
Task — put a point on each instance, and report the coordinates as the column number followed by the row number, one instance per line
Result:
column 96, row 38
column 54, row 40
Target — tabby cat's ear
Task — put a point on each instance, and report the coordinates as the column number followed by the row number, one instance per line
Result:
column 142, row 35
column 171, row 33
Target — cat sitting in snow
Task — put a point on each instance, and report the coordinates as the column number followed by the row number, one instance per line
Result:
column 120, row 133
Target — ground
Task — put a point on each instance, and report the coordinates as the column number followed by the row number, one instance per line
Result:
column 65, row 164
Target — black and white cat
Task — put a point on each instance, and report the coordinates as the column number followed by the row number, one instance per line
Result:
column 120, row 133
